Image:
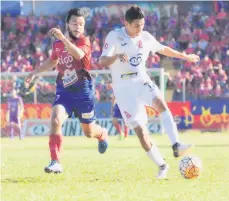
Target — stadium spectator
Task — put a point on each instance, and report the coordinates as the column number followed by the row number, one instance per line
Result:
column 204, row 33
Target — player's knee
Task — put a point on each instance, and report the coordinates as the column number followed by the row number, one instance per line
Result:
column 56, row 122
column 114, row 121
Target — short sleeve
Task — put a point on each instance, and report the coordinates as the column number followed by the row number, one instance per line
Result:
column 155, row 45
column 54, row 54
column 109, row 45
column 85, row 45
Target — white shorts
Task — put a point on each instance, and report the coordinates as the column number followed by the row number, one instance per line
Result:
column 133, row 99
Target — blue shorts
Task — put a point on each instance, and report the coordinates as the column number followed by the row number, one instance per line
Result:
column 14, row 119
column 83, row 108
column 116, row 112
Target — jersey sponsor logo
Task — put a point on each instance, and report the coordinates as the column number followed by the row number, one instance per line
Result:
column 66, row 60
column 135, row 61
column 88, row 115
column 69, row 78
column 129, row 75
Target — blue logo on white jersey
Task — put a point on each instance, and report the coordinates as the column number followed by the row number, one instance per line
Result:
column 135, row 61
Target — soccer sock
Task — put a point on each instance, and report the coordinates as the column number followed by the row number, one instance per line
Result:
column 156, row 156
column 103, row 134
column 126, row 130
column 55, row 142
column 118, row 128
column 59, row 143
column 170, row 126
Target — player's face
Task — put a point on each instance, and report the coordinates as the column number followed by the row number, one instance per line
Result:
column 76, row 26
column 135, row 27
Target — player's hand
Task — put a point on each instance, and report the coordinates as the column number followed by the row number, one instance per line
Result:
column 57, row 33
column 123, row 57
column 30, row 78
column 193, row 58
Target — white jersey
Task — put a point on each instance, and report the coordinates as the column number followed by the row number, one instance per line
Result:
column 132, row 86
column 137, row 50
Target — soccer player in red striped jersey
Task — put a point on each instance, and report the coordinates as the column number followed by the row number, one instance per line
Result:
column 75, row 93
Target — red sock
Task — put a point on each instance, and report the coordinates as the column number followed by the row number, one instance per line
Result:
column 55, row 142
column 59, row 144
column 126, row 131
column 118, row 128
column 103, row 135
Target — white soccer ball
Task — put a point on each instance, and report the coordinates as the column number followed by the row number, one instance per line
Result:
column 190, row 167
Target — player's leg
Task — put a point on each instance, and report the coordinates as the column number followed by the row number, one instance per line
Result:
column 12, row 122
column 55, row 139
column 152, row 151
column 11, row 128
column 126, row 130
column 152, row 95
column 18, row 127
column 170, row 127
column 20, row 131
column 118, row 126
column 85, row 110
column 93, row 130
column 117, row 116
column 134, row 114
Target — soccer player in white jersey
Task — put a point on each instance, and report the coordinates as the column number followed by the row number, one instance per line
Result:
column 125, row 51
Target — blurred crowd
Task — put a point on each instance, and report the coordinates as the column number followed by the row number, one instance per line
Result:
column 207, row 36
column 26, row 44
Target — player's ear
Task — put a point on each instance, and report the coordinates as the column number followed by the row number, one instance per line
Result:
column 126, row 23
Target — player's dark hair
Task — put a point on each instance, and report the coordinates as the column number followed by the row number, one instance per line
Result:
column 76, row 12
column 134, row 13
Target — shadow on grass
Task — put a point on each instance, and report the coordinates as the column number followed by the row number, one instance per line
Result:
column 23, row 180
column 138, row 147
column 27, row 180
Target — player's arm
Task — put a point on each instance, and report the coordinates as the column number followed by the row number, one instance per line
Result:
column 46, row 66
column 169, row 52
column 108, row 56
column 76, row 52
column 107, row 60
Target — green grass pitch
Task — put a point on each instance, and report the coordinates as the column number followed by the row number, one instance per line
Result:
column 123, row 173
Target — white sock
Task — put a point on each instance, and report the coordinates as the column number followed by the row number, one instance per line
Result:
column 170, row 126
column 156, row 156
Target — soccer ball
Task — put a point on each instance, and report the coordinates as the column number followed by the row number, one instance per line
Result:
column 190, row 167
